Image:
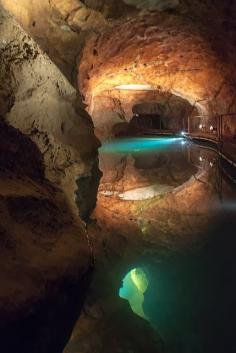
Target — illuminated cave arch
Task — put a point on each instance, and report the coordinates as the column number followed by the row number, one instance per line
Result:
column 166, row 53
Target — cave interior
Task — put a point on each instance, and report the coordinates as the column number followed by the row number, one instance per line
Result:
column 118, row 176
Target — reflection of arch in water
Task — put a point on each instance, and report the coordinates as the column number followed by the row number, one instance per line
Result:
column 135, row 284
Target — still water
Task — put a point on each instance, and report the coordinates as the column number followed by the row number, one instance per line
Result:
column 188, row 294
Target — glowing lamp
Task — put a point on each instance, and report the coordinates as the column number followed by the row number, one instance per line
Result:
column 211, row 128
column 200, row 126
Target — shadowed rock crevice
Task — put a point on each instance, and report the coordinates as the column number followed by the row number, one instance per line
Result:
column 14, row 147
column 87, row 188
column 42, row 329
column 45, row 256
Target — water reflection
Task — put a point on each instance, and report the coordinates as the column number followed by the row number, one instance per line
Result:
column 168, row 258
column 141, row 168
column 190, row 296
column 158, row 165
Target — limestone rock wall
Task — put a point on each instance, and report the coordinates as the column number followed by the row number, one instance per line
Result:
column 182, row 47
column 172, row 53
column 44, row 249
column 45, row 257
column 44, row 106
column 106, row 112
column 60, row 27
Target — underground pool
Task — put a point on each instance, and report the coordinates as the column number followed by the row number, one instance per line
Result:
column 165, row 275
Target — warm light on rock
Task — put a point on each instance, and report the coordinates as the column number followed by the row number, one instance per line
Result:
column 133, row 87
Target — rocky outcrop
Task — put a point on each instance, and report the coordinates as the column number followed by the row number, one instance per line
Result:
column 65, row 25
column 45, row 107
column 45, row 254
column 107, row 113
column 45, row 257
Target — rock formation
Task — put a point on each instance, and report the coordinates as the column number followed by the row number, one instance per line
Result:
column 72, row 74
column 45, row 254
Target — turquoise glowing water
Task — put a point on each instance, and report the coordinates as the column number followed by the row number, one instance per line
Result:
column 135, row 284
column 141, row 144
column 190, row 298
